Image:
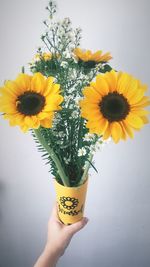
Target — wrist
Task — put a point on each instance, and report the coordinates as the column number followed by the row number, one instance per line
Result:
column 51, row 253
column 47, row 259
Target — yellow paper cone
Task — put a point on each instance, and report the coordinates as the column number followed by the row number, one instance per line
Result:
column 71, row 202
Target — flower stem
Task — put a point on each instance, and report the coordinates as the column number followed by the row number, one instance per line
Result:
column 54, row 157
column 85, row 174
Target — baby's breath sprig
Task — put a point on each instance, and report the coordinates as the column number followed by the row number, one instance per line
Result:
column 52, row 8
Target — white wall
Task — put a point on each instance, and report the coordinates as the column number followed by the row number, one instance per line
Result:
column 118, row 200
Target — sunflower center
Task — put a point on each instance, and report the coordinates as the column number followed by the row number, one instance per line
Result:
column 114, row 107
column 87, row 64
column 30, row 103
column 90, row 64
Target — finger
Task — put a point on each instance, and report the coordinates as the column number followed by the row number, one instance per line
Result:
column 77, row 226
column 54, row 213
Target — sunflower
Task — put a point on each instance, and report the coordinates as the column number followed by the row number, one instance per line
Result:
column 113, row 105
column 30, row 101
column 88, row 56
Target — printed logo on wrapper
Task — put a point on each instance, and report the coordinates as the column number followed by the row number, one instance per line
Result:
column 71, row 202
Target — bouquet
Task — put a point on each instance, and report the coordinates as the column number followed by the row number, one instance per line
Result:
column 73, row 102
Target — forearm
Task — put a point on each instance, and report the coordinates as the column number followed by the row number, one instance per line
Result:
column 59, row 237
column 47, row 259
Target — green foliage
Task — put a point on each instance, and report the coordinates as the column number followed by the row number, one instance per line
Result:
column 67, row 136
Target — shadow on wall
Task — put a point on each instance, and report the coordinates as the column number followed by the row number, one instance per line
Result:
column 2, row 192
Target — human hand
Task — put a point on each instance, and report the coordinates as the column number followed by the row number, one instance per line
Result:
column 59, row 237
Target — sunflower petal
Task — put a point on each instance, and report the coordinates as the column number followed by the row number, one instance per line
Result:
column 105, row 57
column 124, row 134
column 134, row 121
column 10, row 89
column 107, row 133
column 111, row 79
column 124, row 82
column 127, row 129
column 47, row 123
column 145, row 101
column 101, row 85
column 103, row 125
column 94, row 115
column 55, row 88
column 87, row 55
column 136, row 97
column 116, row 131
column 145, row 119
column 94, row 123
column 38, row 83
column 28, row 121
column 23, row 81
column 92, row 94
column 48, row 85
column 140, row 112
column 36, row 124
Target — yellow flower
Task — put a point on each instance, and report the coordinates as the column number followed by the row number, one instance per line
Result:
column 47, row 56
column 37, row 57
column 30, row 101
column 114, row 105
column 87, row 56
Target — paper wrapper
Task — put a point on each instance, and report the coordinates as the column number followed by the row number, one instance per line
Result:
column 71, row 202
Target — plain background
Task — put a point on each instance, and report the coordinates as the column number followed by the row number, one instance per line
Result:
column 118, row 200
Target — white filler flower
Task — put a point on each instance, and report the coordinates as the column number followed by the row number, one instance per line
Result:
column 81, row 152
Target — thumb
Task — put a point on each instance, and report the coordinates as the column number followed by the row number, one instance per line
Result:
column 73, row 228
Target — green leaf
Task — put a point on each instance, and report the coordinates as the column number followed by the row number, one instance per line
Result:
column 92, row 166
column 106, row 68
